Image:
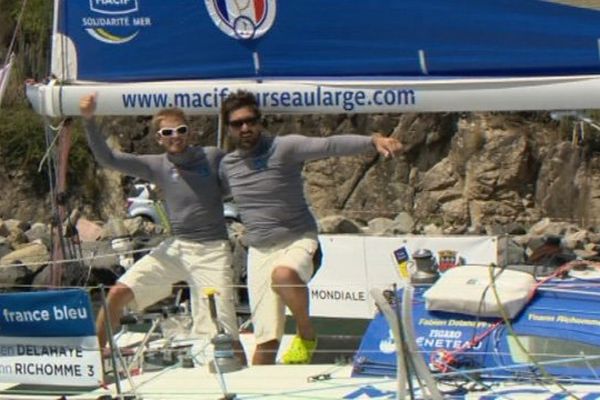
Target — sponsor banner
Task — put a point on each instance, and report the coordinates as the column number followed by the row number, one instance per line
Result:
column 116, row 40
column 340, row 287
column 559, row 328
column 46, row 314
column 326, row 96
column 49, row 338
column 353, row 265
column 498, row 392
column 114, row 22
column 71, row 361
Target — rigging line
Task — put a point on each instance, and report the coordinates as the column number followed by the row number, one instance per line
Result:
column 50, row 146
column 60, row 157
column 523, row 365
column 17, row 28
column 52, row 165
column 465, row 374
column 590, row 367
column 571, row 291
column 91, row 258
column 516, row 338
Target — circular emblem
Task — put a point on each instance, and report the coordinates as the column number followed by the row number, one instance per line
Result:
column 242, row 19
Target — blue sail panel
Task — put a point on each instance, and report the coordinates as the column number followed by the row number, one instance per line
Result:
column 143, row 40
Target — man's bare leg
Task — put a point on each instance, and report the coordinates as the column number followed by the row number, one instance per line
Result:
column 294, row 293
column 238, row 351
column 265, row 353
column 118, row 297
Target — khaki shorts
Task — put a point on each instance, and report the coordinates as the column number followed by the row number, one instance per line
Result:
column 268, row 310
column 201, row 265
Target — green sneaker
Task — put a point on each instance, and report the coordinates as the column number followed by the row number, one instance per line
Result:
column 300, row 351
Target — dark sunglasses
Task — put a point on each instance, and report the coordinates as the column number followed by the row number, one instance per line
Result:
column 180, row 130
column 250, row 121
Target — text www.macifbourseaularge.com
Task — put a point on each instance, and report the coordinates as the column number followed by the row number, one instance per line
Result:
column 317, row 97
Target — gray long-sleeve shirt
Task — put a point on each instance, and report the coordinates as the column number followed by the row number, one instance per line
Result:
column 266, row 183
column 189, row 182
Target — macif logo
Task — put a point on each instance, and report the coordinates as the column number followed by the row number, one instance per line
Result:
column 114, row 7
column 115, row 24
column 242, row 19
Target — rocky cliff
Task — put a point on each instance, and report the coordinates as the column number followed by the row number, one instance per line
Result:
column 484, row 172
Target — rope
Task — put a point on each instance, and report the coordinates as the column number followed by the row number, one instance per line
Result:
column 513, row 334
column 52, row 143
column 14, row 36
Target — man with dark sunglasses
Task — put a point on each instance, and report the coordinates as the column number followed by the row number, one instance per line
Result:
column 264, row 175
column 198, row 251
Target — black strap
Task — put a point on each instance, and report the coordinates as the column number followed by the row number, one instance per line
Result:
column 317, row 259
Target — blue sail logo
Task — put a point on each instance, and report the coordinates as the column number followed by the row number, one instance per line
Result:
column 115, row 24
column 242, row 19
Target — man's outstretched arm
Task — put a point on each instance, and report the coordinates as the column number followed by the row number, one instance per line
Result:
column 127, row 163
column 303, row 148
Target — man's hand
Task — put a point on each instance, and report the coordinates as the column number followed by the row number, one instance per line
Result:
column 87, row 106
column 386, row 146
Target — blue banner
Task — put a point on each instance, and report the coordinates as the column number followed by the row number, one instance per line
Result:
column 141, row 40
column 56, row 313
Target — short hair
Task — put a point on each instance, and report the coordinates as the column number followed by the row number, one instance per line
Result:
column 167, row 113
column 237, row 100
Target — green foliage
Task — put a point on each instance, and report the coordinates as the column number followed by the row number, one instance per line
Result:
column 23, row 145
column 22, row 137
column 32, row 45
column 34, row 39
column 22, row 142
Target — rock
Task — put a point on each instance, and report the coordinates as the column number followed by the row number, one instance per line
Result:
column 456, row 229
column 99, row 255
column 515, row 228
column 403, row 223
column 42, row 278
column 17, row 237
column 34, row 255
column 576, row 240
column 585, row 254
column 4, row 231
column 16, row 274
column 88, row 231
column 514, row 253
column 548, row 227
column 379, row 226
column 135, row 226
column 521, row 240
column 4, row 247
column 494, row 230
column 338, row 224
column 39, row 231
column 561, row 184
column 115, row 228
column 15, row 223
column 432, row 229
column 592, row 247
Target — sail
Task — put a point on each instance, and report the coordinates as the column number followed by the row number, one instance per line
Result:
column 328, row 56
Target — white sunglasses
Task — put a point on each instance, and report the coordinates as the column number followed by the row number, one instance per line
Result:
column 180, row 130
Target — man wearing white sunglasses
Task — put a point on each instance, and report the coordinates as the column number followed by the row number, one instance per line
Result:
column 198, row 252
